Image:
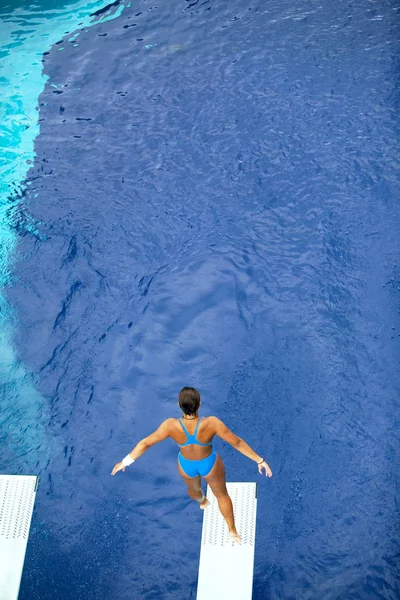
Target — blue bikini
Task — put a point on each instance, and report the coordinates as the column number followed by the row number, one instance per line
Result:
column 192, row 468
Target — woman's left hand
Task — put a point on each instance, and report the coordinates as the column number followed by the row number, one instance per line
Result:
column 118, row 467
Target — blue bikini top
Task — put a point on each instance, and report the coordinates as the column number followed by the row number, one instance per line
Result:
column 191, row 439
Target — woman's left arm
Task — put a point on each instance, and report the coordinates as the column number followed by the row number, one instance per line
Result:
column 141, row 447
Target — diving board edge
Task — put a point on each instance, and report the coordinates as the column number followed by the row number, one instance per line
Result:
column 226, row 568
column 17, row 498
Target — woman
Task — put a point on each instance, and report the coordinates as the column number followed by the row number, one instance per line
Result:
column 197, row 459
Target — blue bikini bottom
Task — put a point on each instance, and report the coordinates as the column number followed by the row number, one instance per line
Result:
column 202, row 467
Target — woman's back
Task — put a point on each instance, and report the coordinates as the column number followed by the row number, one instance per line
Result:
column 204, row 430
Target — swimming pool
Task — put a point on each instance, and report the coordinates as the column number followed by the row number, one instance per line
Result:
column 211, row 199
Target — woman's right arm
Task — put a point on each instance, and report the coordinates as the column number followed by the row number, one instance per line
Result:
column 228, row 436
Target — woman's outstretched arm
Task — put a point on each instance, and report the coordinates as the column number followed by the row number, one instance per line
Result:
column 228, row 436
column 141, row 447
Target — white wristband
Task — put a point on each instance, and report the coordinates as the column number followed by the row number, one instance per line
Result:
column 127, row 461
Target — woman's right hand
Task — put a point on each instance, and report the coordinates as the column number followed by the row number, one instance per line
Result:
column 265, row 465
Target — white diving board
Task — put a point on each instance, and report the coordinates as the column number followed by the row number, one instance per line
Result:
column 17, row 497
column 226, row 568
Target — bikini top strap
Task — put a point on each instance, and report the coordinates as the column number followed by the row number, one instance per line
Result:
column 184, row 429
column 197, row 426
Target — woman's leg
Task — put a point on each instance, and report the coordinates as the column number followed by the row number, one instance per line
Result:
column 217, row 481
column 194, row 487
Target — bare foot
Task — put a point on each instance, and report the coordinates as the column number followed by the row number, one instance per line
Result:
column 204, row 504
column 235, row 537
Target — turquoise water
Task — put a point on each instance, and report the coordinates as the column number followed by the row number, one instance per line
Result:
column 26, row 33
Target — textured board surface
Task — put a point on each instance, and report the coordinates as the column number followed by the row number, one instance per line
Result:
column 17, row 497
column 226, row 568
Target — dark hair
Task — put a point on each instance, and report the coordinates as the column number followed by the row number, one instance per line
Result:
column 189, row 400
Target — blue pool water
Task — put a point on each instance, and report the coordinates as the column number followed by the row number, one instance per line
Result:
column 207, row 195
